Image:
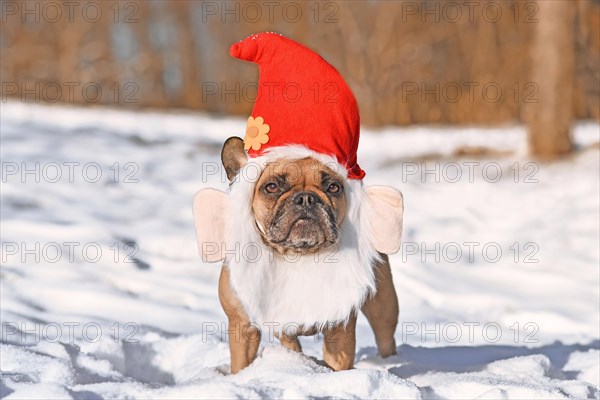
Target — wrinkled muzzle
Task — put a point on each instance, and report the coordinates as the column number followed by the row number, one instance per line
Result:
column 303, row 222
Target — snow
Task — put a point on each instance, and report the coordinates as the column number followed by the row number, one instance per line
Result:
column 104, row 295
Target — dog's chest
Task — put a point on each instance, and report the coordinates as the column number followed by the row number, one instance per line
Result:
column 311, row 290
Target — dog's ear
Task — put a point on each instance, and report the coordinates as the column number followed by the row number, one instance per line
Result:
column 233, row 156
column 210, row 216
column 386, row 206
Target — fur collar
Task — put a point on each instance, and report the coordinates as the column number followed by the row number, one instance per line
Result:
column 286, row 292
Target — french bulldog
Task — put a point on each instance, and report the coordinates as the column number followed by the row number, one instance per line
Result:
column 319, row 245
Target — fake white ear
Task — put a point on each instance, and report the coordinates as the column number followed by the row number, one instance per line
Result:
column 385, row 217
column 210, row 214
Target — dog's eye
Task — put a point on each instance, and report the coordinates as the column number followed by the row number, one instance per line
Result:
column 271, row 187
column 334, row 188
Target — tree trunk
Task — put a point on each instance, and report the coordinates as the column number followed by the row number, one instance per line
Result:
column 553, row 69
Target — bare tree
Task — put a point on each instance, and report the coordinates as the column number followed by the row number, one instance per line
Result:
column 553, row 69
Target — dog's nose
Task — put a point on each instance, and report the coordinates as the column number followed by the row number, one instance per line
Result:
column 306, row 199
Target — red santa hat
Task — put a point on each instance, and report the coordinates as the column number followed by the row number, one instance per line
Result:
column 301, row 100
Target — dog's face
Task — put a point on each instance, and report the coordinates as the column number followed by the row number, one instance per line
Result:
column 298, row 205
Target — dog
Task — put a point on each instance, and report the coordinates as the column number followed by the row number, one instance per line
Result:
column 304, row 250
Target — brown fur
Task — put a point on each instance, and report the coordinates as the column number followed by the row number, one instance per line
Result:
column 282, row 219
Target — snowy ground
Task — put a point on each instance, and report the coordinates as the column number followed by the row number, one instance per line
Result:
column 104, row 295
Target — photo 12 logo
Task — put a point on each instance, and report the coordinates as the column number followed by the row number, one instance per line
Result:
column 43, row 11
column 290, row 12
column 470, row 332
column 69, row 172
column 468, row 171
column 271, row 92
column 67, row 332
column 454, row 92
column 70, row 252
column 469, row 11
column 469, row 252
column 71, row 92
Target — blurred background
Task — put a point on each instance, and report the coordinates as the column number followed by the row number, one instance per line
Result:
column 484, row 113
column 408, row 62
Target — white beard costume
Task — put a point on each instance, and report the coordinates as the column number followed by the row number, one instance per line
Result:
column 286, row 292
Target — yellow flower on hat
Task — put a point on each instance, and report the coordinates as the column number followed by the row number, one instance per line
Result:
column 256, row 133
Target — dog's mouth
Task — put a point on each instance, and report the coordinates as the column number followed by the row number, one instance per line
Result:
column 304, row 232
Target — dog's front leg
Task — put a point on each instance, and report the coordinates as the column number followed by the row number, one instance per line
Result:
column 339, row 345
column 244, row 338
column 243, row 343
